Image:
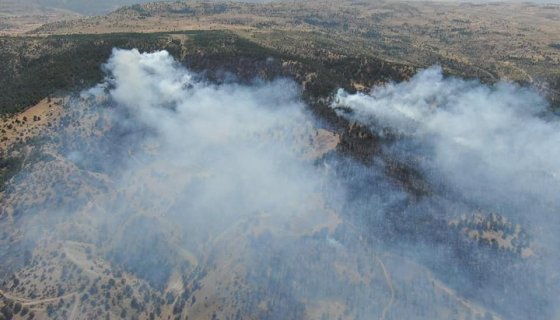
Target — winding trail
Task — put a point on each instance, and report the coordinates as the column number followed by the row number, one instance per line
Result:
column 12, row 297
column 390, row 284
column 34, row 302
column 72, row 315
column 385, row 273
column 29, row 302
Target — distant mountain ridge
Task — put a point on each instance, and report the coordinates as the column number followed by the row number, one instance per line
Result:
column 90, row 7
column 84, row 7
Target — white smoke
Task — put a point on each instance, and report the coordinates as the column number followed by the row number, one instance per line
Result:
column 247, row 140
column 211, row 156
column 494, row 148
column 491, row 143
column 195, row 168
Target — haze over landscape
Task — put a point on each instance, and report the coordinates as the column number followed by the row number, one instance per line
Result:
column 279, row 160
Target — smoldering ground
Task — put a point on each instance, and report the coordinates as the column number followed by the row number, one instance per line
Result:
column 227, row 192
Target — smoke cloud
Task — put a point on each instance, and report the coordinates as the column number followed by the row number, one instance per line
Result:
column 482, row 148
column 486, row 142
column 230, row 201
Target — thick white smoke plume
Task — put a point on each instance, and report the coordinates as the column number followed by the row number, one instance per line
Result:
column 226, row 198
column 495, row 145
column 490, row 148
column 248, row 142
